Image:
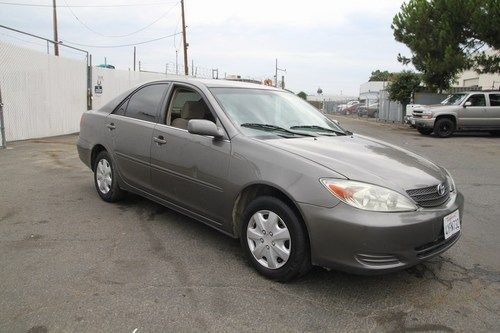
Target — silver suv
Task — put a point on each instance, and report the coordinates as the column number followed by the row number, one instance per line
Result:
column 465, row 111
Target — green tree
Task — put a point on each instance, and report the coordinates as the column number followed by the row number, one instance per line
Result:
column 403, row 85
column 379, row 75
column 302, row 95
column 447, row 36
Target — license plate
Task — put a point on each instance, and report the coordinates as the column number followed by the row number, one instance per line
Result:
column 413, row 121
column 451, row 224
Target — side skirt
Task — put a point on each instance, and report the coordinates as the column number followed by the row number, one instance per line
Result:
column 209, row 222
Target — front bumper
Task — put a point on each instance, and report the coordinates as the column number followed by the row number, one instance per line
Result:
column 409, row 120
column 423, row 123
column 367, row 242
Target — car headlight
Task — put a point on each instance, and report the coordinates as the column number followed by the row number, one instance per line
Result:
column 450, row 181
column 367, row 196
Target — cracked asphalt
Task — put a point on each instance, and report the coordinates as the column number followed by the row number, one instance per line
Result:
column 71, row 262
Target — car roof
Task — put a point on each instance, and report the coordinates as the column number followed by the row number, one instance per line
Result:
column 219, row 83
column 477, row 92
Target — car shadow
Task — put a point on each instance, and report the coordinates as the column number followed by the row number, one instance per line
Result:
column 436, row 269
column 385, row 302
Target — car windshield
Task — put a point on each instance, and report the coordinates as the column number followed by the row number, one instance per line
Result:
column 454, row 99
column 261, row 112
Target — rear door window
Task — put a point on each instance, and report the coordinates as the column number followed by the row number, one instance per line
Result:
column 494, row 99
column 144, row 104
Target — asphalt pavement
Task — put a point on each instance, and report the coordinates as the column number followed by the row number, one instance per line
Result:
column 70, row 262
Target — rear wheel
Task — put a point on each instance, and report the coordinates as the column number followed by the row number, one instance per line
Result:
column 105, row 178
column 444, row 127
column 274, row 239
column 424, row 131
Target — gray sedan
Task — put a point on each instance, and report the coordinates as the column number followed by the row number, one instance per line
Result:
column 262, row 165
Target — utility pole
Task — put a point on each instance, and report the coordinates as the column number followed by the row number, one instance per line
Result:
column 276, row 69
column 186, row 69
column 54, row 21
column 134, row 57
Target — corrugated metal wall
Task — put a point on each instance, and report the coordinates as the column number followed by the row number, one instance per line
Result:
column 427, row 98
column 43, row 95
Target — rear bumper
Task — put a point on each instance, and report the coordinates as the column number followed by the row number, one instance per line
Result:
column 84, row 151
column 366, row 242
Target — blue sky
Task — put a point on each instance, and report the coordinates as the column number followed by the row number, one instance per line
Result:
column 329, row 44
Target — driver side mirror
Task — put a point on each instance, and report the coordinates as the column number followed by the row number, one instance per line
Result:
column 204, row 127
column 468, row 103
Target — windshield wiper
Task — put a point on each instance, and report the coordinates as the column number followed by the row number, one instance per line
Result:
column 269, row 127
column 320, row 128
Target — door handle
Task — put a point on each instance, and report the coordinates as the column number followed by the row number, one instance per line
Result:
column 159, row 140
column 111, row 126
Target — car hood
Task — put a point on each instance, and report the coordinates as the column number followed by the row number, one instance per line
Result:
column 434, row 107
column 366, row 159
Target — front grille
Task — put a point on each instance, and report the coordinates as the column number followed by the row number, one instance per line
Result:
column 429, row 196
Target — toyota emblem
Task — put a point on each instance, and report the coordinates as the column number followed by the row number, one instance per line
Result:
column 441, row 189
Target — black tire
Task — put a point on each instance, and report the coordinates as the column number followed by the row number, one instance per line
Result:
column 115, row 193
column 375, row 114
column 444, row 127
column 299, row 260
column 424, row 131
column 495, row 133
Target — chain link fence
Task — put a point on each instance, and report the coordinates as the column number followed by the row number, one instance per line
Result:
column 42, row 94
column 389, row 111
column 3, row 142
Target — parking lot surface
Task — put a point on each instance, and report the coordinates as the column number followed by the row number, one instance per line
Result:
column 72, row 262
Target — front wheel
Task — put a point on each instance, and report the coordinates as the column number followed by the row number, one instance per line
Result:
column 275, row 240
column 424, row 131
column 495, row 133
column 105, row 178
column 444, row 127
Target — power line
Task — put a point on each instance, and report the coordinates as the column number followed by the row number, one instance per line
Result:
column 175, row 43
column 122, row 45
column 87, row 6
column 124, row 35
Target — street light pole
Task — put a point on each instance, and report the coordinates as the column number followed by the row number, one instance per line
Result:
column 176, row 62
column 134, row 57
column 276, row 69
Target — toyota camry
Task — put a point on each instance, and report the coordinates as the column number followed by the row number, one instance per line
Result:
column 260, row 164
